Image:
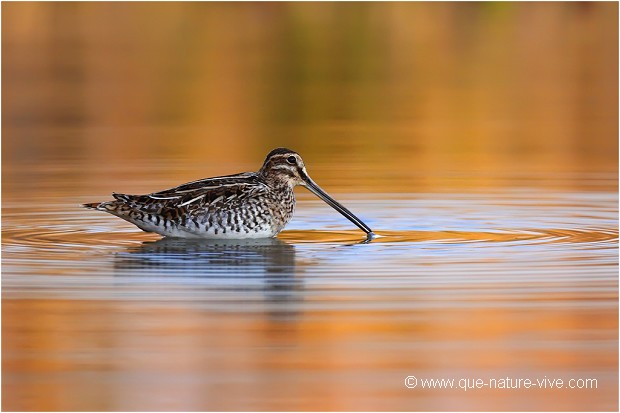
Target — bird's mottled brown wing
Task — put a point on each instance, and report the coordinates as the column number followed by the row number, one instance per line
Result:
column 205, row 193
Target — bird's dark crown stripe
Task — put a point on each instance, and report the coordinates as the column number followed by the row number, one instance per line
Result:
column 279, row 151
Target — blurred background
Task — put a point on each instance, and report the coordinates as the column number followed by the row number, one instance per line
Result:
column 415, row 96
column 479, row 138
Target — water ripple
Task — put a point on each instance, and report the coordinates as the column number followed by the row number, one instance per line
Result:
column 463, row 251
column 60, row 230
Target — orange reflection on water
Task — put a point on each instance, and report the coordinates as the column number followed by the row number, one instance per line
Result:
column 113, row 356
column 480, row 140
column 417, row 93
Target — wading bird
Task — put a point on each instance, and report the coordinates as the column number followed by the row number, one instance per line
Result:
column 246, row 205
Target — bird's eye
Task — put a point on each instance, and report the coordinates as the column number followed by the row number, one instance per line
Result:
column 291, row 160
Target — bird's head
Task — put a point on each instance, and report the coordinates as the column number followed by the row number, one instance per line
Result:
column 284, row 166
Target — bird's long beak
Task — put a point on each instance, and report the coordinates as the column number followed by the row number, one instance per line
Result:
column 316, row 190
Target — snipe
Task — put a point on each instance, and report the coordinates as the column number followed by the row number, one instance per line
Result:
column 246, row 205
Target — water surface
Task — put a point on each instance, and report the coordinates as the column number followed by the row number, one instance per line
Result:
column 518, row 282
column 478, row 140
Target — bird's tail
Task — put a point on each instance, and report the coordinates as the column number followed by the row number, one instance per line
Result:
column 113, row 207
column 92, row 205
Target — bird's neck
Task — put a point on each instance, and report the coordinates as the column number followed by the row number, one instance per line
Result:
column 277, row 181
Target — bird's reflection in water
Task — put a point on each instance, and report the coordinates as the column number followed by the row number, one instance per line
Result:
column 246, row 267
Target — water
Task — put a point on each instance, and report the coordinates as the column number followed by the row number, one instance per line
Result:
column 478, row 140
column 520, row 282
